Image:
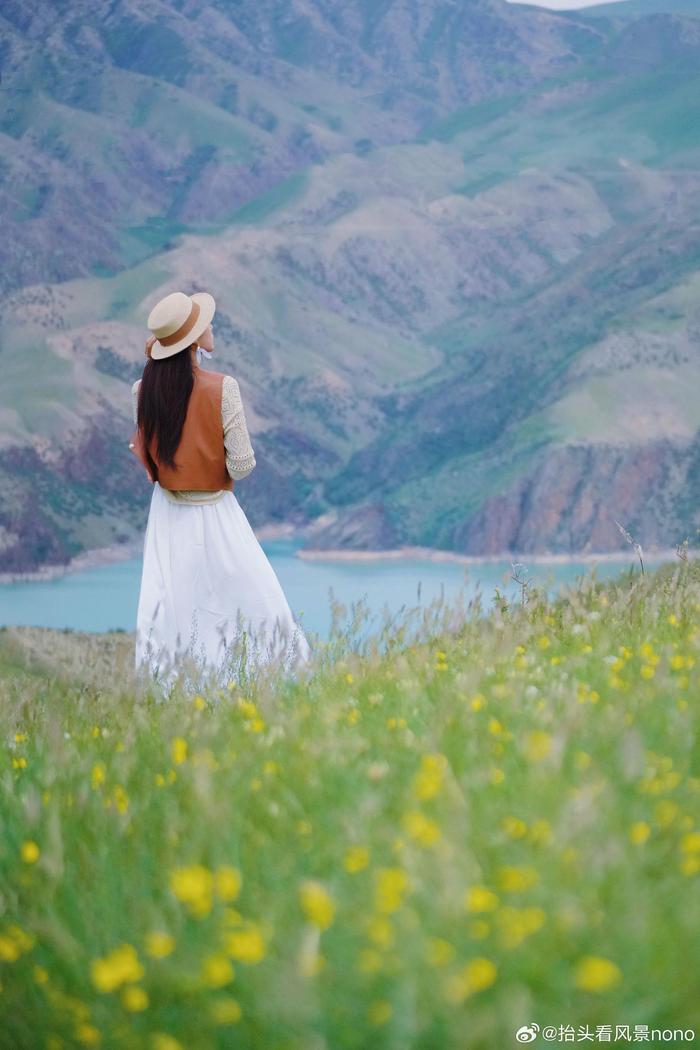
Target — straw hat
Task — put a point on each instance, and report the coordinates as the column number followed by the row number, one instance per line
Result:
column 176, row 321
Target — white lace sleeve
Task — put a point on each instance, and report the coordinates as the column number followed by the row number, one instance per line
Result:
column 135, row 399
column 240, row 457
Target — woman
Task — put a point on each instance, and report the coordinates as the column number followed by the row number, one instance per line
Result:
column 209, row 596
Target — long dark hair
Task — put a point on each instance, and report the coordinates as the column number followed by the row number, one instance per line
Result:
column 164, row 394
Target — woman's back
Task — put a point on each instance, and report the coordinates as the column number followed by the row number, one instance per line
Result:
column 215, row 446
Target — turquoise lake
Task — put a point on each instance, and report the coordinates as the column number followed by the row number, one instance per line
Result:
column 106, row 598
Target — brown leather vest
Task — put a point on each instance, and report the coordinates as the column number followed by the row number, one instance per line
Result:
column 200, row 456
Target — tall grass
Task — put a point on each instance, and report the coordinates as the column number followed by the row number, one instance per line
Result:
column 474, row 820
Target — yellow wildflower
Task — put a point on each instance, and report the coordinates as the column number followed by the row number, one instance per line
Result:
column 379, row 1012
column 159, row 944
column 217, row 970
column 665, row 812
column 596, row 974
column 538, row 745
column 317, row 903
column 639, row 832
column 690, row 843
column 29, row 852
column 514, row 826
column 120, row 798
column 228, row 881
column 24, row 940
column 99, row 774
column 163, row 1041
column 88, row 1034
column 479, row 973
column 245, row 943
column 248, row 708
column 225, row 1011
column 134, row 998
column 9, row 949
column 647, row 651
column 193, row 885
column 356, row 858
column 515, row 924
column 424, row 830
column 513, row 880
column 427, row 782
column 115, row 969
column 480, row 898
column 390, row 885
column 439, row 952
column 540, row 831
column 179, row 750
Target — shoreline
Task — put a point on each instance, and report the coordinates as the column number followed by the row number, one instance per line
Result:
column 435, row 554
column 103, row 556
column 116, row 552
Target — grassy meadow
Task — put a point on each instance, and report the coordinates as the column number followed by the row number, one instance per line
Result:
column 484, row 817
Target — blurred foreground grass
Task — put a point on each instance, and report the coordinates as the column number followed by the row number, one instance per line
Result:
column 492, row 822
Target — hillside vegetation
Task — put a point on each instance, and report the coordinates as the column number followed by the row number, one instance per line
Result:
column 453, row 250
column 480, row 818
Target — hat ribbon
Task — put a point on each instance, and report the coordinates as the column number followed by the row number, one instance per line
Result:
column 182, row 331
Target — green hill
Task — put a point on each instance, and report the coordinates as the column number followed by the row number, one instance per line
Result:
column 464, row 831
column 462, row 313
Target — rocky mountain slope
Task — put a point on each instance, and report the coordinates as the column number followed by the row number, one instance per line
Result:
column 453, row 246
column 637, row 8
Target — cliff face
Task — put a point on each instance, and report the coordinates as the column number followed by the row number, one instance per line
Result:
column 452, row 249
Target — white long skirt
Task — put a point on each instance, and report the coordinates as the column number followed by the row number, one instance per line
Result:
column 210, row 603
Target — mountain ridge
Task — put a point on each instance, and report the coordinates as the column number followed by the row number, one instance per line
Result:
column 426, row 308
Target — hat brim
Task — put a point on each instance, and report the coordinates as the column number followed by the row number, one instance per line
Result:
column 207, row 309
